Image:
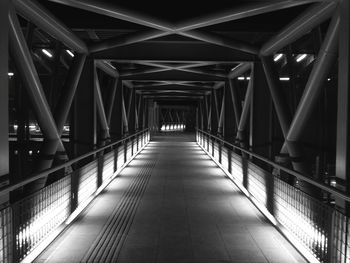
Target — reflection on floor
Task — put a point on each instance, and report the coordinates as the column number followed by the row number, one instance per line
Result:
column 171, row 204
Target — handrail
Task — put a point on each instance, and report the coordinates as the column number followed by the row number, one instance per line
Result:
column 298, row 175
column 9, row 188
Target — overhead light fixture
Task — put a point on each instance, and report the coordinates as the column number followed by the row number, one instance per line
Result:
column 241, row 78
column 301, row 57
column 70, row 53
column 10, row 74
column 47, row 53
column 329, row 79
column 284, row 78
column 277, row 57
column 247, row 78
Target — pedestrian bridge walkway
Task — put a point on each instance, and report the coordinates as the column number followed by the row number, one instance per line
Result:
column 171, row 203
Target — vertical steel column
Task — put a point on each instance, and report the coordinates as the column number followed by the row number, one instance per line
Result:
column 245, row 110
column 112, row 100
column 229, row 117
column 235, row 102
column 131, row 110
column 100, row 108
column 4, row 142
column 318, row 75
column 125, row 117
column 222, row 117
column 343, row 122
column 116, row 120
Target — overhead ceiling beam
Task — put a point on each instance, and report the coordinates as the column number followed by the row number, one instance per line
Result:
column 107, row 68
column 117, row 12
column 221, row 41
column 42, row 18
column 183, row 52
column 239, row 13
column 174, row 75
column 312, row 17
column 239, row 70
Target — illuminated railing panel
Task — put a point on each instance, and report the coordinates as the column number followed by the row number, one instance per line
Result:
column 319, row 231
column 87, row 177
column 5, row 235
column 26, row 224
column 39, row 214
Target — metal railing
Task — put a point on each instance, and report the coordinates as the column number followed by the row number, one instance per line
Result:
column 26, row 223
column 318, row 229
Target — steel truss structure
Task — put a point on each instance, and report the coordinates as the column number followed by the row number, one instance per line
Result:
column 115, row 85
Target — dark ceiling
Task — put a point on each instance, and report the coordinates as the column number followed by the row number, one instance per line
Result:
column 176, row 66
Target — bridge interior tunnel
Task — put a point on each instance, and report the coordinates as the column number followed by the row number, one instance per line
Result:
column 262, row 87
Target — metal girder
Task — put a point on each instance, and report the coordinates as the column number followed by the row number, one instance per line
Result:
column 22, row 57
column 312, row 17
column 245, row 110
column 325, row 59
column 100, row 109
column 216, row 104
column 107, row 68
column 343, row 121
column 239, row 70
column 46, row 21
column 235, row 102
column 174, row 75
column 221, row 118
column 4, row 92
column 126, row 40
column 164, row 51
column 221, row 41
column 171, row 87
column 142, row 72
column 111, row 100
column 279, row 101
column 239, row 13
column 124, row 115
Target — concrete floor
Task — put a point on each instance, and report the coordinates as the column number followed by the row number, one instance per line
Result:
column 171, row 204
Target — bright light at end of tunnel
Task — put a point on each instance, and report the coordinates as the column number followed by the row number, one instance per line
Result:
column 47, row 53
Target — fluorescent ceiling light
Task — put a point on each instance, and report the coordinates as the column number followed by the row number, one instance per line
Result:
column 277, row 57
column 70, row 53
column 284, row 78
column 247, row 78
column 10, row 74
column 47, row 53
column 301, row 57
column 240, row 78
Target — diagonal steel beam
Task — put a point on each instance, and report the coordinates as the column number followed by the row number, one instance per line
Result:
column 25, row 65
column 220, row 41
column 240, row 69
column 325, row 59
column 111, row 100
column 126, row 40
column 245, row 110
column 124, row 115
column 239, row 13
column 235, row 102
column 221, row 118
column 100, row 108
column 117, row 12
column 41, row 17
column 216, row 104
column 312, row 17
column 107, row 68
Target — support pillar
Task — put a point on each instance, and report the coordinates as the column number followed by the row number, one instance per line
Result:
column 343, row 122
column 229, row 116
column 84, row 116
column 4, row 145
column 116, row 116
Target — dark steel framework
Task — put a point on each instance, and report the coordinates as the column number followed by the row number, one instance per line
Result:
column 137, row 79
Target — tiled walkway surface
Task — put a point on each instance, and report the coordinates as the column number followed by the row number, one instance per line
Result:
column 171, row 204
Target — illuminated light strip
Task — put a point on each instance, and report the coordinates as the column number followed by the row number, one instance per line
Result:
column 10, row 74
column 47, row 53
column 277, row 57
column 32, row 255
column 241, row 78
column 301, row 57
column 284, row 78
column 70, row 53
column 284, row 231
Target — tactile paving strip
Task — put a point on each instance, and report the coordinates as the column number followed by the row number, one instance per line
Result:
column 108, row 244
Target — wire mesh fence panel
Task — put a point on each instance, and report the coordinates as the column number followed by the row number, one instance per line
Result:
column 257, row 183
column 6, row 235
column 39, row 215
column 108, row 166
column 87, row 181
